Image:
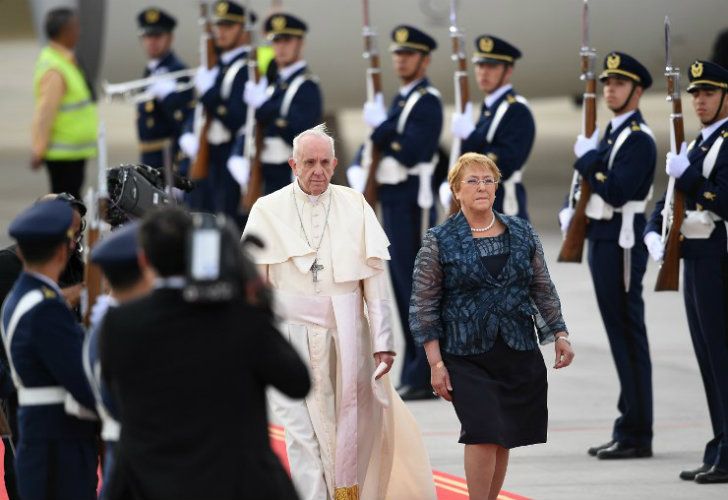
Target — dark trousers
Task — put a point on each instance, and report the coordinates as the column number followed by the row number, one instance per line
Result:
column 66, row 176
column 402, row 221
column 10, row 407
column 57, row 468
column 276, row 176
column 623, row 314
column 706, row 304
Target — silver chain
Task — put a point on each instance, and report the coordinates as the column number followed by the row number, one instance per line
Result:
column 300, row 220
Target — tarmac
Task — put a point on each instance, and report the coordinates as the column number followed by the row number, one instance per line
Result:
column 582, row 397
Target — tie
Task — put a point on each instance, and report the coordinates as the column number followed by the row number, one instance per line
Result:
column 695, row 151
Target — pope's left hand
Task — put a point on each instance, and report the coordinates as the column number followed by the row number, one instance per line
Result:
column 386, row 358
column 677, row 164
column 162, row 88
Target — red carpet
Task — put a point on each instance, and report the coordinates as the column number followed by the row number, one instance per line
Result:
column 449, row 487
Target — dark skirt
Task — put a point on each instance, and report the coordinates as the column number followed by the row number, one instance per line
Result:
column 500, row 396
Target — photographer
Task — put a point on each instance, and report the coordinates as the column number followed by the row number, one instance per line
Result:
column 190, row 379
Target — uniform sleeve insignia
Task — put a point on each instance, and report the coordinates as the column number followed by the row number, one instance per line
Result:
column 396, row 146
column 48, row 293
column 600, row 176
column 709, row 196
column 696, row 69
column 613, row 61
column 401, row 35
column 485, row 44
column 149, row 106
column 492, row 156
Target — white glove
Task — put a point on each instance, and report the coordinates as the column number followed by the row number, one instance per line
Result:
column 205, row 79
column 654, row 246
column 445, row 195
column 188, row 144
column 565, row 215
column 585, row 144
column 374, row 112
column 462, row 123
column 677, row 164
column 357, row 178
column 162, row 88
column 255, row 93
column 239, row 168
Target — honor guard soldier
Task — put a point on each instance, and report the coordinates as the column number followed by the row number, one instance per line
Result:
column 220, row 91
column 287, row 106
column 56, row 456
column 117, row 255
column 161, row 118
column 620, row 169
column 407, row 135
column 701, row 170
column 505, row 129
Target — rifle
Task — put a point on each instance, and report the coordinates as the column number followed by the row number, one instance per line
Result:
column 462, row 94
column 253, row 131
column 208, row 58
column 573, row 245
column 374, row 87
column 96, row 203
column 668, row 277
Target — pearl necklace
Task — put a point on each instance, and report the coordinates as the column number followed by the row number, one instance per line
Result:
column 483, row 229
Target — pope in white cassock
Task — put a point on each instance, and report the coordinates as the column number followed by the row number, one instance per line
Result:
column 352, row 437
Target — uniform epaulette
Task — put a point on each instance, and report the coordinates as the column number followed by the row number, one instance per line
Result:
column 511, row 99
column 725, row 133
column 422, row 90
column 635, row 126
column 48, row 293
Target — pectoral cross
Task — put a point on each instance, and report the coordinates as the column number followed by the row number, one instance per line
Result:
column 315, row 268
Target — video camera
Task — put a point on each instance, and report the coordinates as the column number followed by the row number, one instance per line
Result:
column 136, row 188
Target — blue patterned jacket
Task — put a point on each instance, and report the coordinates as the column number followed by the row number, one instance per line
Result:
column 456, row 300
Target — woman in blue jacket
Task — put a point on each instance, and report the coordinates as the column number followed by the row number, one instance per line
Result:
column 480, row 287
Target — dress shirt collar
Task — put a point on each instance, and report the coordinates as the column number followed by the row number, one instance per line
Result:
column 618, row 120
column 45, row 279
column 405, row 91
column 710, row 129
column 285, row 73
column 491, row 98
column 228, row 56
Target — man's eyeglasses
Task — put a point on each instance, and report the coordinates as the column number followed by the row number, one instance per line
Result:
column 474, row 181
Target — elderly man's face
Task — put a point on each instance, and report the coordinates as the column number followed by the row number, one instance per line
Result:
column 314, row 165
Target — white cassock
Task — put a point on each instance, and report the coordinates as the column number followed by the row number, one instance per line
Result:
column 351, row 438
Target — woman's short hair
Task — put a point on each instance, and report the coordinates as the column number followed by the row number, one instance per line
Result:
column 468, row 160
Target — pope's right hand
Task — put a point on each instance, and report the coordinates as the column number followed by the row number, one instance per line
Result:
column 205, row 79
column 374, row 112
column 357, row 178
column 188, row 144
column 654, row 246
column 462, row 123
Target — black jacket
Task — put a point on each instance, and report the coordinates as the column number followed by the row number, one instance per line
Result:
column 189, row 381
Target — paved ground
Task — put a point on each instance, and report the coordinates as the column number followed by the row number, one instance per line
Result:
column 582, row 398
